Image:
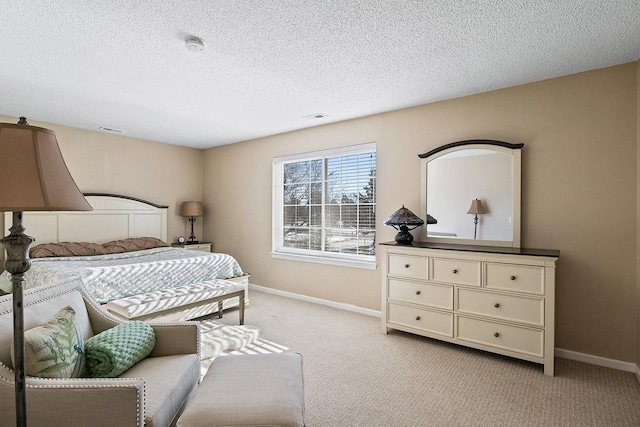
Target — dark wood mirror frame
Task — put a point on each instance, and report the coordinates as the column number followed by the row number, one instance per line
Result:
column 513, row 151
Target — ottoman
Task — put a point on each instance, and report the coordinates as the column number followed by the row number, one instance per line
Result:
column 249, row 390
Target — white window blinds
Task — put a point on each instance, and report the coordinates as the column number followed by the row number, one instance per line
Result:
column 324, row 204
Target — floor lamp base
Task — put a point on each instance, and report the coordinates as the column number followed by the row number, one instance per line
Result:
column 17, row 263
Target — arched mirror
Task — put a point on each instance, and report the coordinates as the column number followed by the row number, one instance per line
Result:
column 471, row 189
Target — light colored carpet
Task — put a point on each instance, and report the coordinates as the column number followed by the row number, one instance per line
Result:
column 219, row 339
column 357, row 376
column 216, row 338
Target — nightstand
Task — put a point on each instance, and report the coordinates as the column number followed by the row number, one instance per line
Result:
column 200, row 246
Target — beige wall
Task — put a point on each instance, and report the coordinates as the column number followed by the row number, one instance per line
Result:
column 104, row 163
column 579, row 194
column 580, row 191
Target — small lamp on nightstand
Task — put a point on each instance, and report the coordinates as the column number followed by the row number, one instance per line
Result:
column 191, row 210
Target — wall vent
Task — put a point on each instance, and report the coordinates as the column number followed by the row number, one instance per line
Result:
column 315, row 116
column 110, row 130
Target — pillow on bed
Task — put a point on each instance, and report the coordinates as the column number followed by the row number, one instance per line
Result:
column 115, row 350
column 55, row 348
column 66, row 249
column 133, row 244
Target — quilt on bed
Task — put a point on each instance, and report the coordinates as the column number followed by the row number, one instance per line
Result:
column 108, row 277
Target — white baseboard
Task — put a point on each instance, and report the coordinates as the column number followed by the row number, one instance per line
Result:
column 598, row 361
column 342, row 306
column 559, row 352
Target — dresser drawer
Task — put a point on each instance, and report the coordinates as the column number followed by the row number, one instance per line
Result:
column 413, row 267
column 513, row 338
column 506, row 307
column 520, row 278
column 440, row 296
column 426, row 320
column 457, row 271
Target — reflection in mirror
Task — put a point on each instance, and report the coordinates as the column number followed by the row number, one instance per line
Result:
column 472, row 188
column 456, row 179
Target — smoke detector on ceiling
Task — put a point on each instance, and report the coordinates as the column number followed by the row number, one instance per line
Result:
column 194, row 44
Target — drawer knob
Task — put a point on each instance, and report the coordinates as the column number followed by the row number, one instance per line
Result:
column 512, row 277
column 417, row 317
column 496, row 334
column 454, row 271
column 407, row 266
column 496, row 305
column 418, row 292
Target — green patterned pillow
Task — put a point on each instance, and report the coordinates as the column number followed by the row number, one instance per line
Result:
column 115, row 350
column 55, row 348
column 5, row 285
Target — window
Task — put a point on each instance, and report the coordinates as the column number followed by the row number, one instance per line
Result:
column 325, row 206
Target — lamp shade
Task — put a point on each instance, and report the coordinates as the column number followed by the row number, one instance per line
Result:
column 403, row 216
column 476, row 207
column 33, row 174
column 401, row 220
column 191, row 209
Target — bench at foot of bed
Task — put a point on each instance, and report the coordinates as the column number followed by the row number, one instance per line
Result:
column 184, row 302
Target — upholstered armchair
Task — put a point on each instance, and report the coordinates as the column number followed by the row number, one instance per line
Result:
column 153, row 392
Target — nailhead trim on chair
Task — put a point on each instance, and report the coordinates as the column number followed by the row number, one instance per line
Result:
column 42, row 299
column 100, row 311
column 139, row 412
column 106, row 316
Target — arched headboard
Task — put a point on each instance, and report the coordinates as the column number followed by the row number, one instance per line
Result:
column 113, row 217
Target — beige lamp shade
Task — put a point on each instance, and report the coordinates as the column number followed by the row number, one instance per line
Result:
column 476, row 207
column 191, row 209
column 33, row 174
column 33, row 177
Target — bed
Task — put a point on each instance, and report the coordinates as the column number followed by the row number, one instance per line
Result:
column 134, row 272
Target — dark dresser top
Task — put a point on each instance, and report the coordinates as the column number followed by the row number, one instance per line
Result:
column 474, row 248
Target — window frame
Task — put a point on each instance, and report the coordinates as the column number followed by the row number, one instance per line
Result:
column 278, row 250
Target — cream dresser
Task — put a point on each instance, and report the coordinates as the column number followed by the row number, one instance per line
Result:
column 496, row 299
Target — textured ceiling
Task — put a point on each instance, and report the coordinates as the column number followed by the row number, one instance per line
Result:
column 267, row 64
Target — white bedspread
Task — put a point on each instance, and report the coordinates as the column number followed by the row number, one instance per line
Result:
column 108, row 277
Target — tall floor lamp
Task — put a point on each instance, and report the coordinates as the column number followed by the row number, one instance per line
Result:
column 476, row 209
column 34, row 177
